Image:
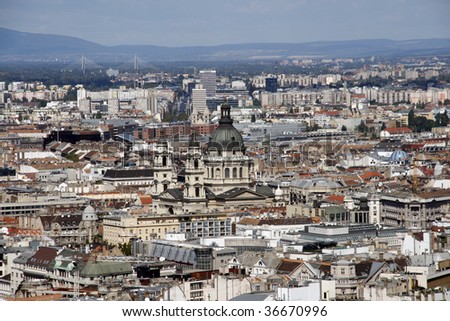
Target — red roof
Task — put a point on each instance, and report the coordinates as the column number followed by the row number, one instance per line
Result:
column 145, row 199
column 398, row 130
column 371, row 174
column 337, row 199
column 13, row 231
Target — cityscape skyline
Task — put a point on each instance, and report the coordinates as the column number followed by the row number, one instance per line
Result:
column 246, row 152
column 200, row 23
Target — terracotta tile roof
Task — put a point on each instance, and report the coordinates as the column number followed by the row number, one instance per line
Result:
column 146, row 199
column 337, row 199
column 433, row 194
column 398, row 130
column 13, row 231
column 370, row 174
column 9, row 220
column 352, row 182
column 288, row 266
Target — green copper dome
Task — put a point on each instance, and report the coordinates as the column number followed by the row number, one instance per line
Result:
column 226, row 137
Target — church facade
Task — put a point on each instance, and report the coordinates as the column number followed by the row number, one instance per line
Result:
column 220, row 177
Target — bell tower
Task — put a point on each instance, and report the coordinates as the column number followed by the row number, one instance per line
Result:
column 194, row 186
column 162, row 168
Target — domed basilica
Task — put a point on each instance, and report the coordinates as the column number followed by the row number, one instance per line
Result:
column 217, row 178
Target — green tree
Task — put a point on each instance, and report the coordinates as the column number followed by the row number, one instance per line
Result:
column 125, row 248
column 411, row 118
column 182, row 117
column 71, row 95
column 168, row 118
column 362, row 127
column 441, row 119
column 256, row 102
column 420, row 105
column 422, row 124
column 72, row 157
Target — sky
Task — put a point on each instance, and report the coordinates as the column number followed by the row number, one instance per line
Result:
column 178, row 23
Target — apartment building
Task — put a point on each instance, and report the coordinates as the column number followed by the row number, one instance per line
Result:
column 414, row 211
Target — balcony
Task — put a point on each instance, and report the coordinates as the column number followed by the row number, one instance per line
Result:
column 74, row 279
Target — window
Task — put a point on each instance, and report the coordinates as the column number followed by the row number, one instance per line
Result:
column 227, row 173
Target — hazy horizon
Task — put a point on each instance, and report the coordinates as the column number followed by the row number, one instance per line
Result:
column 173, row 23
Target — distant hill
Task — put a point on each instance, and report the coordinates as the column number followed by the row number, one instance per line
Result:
column 23, row 46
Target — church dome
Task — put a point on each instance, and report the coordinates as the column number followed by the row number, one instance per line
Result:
column 226, row 136
column 398, row 156
column 89, row 214
column 278, row 193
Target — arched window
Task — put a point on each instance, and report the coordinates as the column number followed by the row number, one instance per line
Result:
column 227, row 172
column 240, row 172
column 217, row 173
column 234, row 172
column 195, row 163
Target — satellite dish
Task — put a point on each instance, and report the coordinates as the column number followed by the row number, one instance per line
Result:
column 162, row 259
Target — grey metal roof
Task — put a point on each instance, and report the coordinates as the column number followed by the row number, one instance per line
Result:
column 239, row 190
column 355, row 233
column 317, row 182
column 252, row 297
column 97, row 269
column 173, row 253
column 265, row 190
column 24, row 257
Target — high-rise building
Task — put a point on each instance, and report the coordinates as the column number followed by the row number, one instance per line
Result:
column 113, row 106
column 200, row 111
column 271, row 85
column 208, row 80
